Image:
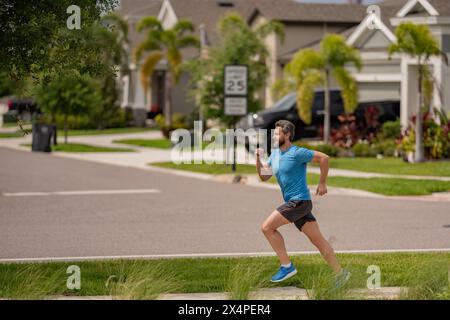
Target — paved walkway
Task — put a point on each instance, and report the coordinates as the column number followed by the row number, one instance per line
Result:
column 280, row 293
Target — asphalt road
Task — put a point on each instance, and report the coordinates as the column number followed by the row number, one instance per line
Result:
column 187, row 216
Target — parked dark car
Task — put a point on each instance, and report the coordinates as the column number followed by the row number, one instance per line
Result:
column 21, row 109
column 286, row 108
column 22, row 105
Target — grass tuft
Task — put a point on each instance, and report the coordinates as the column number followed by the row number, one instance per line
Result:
column 428, row 282
column 244, row 277
column 140, row 281
column 31, row 282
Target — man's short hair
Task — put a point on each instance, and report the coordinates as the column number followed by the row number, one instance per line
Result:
column 287, row 127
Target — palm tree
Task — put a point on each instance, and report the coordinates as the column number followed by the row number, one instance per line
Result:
column 118, row 39
column 112, row 36
column 164, row 44
column 311, row 68
column 417, row 42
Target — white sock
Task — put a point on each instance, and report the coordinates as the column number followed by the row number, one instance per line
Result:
column 287, row 265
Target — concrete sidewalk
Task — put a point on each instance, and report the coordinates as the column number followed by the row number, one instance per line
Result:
column 279, row 293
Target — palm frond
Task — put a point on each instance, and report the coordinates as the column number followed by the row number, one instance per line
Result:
column 175, row 59
column 149, row 44
column 183, row 26
column 169, row 38
column 349, row 88
column 271, row 27
column 282, row 87
column 119, row 23
column 231, row 22
column 415, row 41
column 188, row 41
column 303, row 61
column 427, row 86
column 337, row 53
column 306, row 92
column 148, row 68
column 149, row 23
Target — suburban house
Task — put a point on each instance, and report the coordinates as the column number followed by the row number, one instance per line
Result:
column 370, row 29
column 304, row 23
column 396, row 78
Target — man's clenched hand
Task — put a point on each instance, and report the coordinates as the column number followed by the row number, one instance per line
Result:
column 321, row 189
column 259, row 152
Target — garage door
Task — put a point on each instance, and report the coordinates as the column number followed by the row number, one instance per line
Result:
column 375, row 91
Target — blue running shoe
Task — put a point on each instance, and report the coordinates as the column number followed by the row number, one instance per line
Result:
column 342, row 279
column 284, row 273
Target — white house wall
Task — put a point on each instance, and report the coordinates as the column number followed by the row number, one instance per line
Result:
column 444, row 39
column 376, row 40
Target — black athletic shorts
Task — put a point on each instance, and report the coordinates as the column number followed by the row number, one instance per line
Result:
column 297, row 212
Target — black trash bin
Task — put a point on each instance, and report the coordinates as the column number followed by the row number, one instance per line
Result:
column 42, row 137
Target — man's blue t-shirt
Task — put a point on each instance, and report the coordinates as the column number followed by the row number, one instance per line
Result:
column 289, row 167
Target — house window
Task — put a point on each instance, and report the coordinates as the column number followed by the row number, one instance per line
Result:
column 446, row 43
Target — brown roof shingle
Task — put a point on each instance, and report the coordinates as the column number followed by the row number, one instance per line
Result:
column 139, row 7
column 288, row 10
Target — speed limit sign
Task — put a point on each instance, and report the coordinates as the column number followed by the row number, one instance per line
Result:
column 236, row 78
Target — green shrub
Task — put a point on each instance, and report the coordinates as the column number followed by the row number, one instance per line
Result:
column 436, row 137
column 391, row 130
column 178, row 122
column 118, row 119
column 75, row 122
column 303, row 144
column 365, row 150
column 386, row 147
column 437, row 141
column 328, row 149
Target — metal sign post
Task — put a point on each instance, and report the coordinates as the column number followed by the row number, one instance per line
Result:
column 236, row 94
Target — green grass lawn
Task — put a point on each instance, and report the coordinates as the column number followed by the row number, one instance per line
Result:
column 385, row 186
column 424, row 271
column 78, row 147
column 147, row 143
column 153, row 143
column 14, row 124
column 392, row 166
column 105, row 131
column 205, row 168
column 6, row 135
column 19, row 134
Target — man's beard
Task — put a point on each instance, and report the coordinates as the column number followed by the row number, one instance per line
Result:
column 280, row 142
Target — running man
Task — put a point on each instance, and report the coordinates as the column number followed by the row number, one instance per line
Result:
column 288, row 162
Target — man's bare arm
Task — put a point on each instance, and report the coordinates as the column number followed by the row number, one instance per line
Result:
column 323, row 161
column 264, row 167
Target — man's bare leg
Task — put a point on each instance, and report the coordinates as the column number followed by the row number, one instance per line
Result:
column 269, row 228
column 312, row 231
